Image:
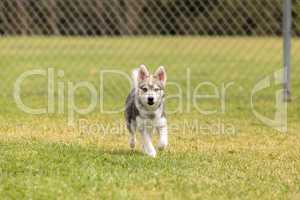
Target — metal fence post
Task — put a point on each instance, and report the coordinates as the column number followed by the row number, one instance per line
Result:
column 287, row 26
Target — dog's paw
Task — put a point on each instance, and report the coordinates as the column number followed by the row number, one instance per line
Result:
column 162, row 143
column 132, row 142
column 151, row 154
column 150, row 151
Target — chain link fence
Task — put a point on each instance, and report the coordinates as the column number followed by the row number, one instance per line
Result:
column 218, row 40
column 144, row 17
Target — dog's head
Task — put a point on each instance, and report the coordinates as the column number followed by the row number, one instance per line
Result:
column 151, row 88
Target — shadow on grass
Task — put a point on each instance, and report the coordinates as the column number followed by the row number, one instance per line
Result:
column 122, row 152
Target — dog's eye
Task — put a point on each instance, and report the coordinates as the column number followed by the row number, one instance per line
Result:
column 156, row 89
column 144, row 89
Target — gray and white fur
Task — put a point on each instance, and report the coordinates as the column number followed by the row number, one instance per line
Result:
column 145, row 109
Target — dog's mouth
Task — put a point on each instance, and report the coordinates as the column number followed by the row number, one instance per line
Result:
column 151, row 103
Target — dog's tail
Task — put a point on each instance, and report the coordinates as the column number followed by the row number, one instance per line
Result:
column 134, row 77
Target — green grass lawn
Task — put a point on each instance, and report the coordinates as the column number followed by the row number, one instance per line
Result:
column 228, row 154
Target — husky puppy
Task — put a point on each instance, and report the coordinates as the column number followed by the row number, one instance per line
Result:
column 145, row 108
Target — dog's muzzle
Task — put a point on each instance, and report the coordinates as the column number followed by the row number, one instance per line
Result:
column 150, row 101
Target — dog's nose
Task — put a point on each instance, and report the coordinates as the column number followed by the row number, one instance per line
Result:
column 150, row 99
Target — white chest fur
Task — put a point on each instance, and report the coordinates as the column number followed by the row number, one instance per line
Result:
column 150, row 124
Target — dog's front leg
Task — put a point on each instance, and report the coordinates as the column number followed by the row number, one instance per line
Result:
column 163, row 134
column 132, row 138
column 147, row 143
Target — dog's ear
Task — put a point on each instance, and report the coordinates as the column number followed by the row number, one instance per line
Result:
column 161, row 75
column 143, row 73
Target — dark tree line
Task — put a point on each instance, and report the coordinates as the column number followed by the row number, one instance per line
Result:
column 144, row 17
